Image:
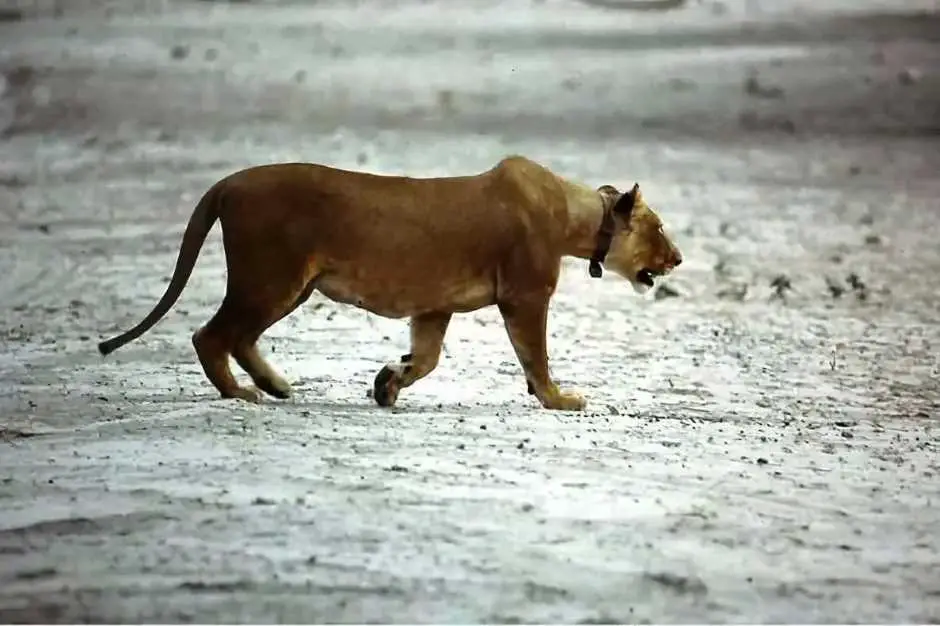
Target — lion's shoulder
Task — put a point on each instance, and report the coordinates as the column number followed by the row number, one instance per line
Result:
column 523, row 169
column 527, row 181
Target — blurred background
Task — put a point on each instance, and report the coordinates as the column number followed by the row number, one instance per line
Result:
column 559, row 70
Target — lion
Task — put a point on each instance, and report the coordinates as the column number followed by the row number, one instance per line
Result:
column 397, row 246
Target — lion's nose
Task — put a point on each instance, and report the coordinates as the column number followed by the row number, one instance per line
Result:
column 678, row 259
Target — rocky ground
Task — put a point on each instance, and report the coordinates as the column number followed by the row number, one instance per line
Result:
column 760, row 443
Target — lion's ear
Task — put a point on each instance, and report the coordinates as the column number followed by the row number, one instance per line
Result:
column 608, row 189
column 624, row 206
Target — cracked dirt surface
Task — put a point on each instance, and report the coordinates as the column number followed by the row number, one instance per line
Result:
column 745, row 456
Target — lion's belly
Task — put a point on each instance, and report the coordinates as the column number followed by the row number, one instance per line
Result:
column 403, row 298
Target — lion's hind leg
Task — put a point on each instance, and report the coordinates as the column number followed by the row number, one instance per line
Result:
column 262, row 374
column 246, row 348
column 265, row 283
column 214, row 343
column 427, row 340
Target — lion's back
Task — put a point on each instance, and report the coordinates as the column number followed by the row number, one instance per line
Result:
column 453, row 221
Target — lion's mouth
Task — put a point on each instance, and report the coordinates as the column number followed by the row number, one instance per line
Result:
column 646, row 277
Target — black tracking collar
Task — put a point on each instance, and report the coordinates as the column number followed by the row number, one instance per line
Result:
column 605, row 234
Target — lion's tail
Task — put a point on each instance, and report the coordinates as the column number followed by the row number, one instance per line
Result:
column 200, row 223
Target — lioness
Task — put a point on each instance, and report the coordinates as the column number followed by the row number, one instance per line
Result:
column 400, row 246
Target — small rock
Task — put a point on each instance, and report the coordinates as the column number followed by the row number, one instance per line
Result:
column 909, row 76
column 20, row 76
column 681, row 84
column 781, row 284
column 612, row 410
column 762, row 461
column 571, row 83
column 665, row 291
column 873, row 240
column 179, row 52
column 855, row 282
column 679, row 583
column 753, row 87
column 37, row 574
column 848, row 434
column 736, row 292
column 11, row 181
column 835, row 289
column 445, row 101
column 10, row 15
column 261, row 501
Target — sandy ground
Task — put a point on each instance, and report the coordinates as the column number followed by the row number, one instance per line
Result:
column 746, row 456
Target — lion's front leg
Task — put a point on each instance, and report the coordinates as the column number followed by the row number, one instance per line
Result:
column 427, row 340
column 526, row 322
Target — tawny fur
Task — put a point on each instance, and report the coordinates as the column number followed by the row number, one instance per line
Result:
column 400, row 247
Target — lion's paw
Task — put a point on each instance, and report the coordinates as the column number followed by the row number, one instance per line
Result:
column 386, row 386
column 276, row 387
column 248, row 394
column 566, row 401
column 572, row 401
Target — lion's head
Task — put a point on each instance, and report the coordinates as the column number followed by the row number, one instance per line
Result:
column 640, row 250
